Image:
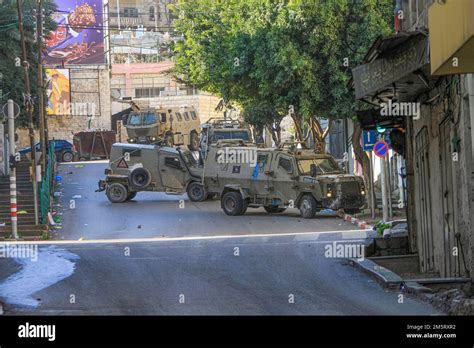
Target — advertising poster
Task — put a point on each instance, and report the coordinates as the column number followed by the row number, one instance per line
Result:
column 58, row 91
column 79, row 37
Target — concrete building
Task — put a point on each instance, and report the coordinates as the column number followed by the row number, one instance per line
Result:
column 429, row 64
column 151, row 14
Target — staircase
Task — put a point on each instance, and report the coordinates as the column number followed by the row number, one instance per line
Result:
column 27, row 230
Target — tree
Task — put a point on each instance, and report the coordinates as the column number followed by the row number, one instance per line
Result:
column 11, row 82
column 277, row 58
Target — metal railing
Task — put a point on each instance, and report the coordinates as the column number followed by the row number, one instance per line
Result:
column 46, row 185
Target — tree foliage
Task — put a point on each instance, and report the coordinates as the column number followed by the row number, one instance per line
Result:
column 274, row 57
column 12, row 77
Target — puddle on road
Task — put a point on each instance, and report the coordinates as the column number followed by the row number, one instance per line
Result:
column 52, row 265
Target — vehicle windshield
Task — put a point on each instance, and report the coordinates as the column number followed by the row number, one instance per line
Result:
column 149, row 118
column 135, row 119
column 323, row 166
column 219, row 135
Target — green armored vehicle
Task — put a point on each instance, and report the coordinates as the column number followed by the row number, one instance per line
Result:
column 245, row 176
column 140, row 167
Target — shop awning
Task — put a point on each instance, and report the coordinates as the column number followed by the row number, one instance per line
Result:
column 451, row 26
column 396, row 67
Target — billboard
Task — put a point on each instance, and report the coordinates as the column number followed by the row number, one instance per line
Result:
column 58, row 90
column 79, row 37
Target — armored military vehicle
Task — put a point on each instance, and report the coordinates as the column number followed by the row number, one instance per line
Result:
column 164, row 126
column 245, row 176
column 141, row 167
column 216, row 129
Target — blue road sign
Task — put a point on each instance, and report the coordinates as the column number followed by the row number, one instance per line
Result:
column 381, row 148
column 370, row 137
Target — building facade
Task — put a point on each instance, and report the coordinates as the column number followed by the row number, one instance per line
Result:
column 424, row 65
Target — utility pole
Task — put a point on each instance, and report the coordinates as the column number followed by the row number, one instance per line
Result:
column 383, row 177
column 11, row 143
column 28, row 103
column 39, row 40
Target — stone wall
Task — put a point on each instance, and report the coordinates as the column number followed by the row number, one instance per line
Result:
column 90, row 86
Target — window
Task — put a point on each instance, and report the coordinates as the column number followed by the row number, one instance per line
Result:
column 135, row 119
column 179, row 118
column 131, row 152
column 148, row 92
column 173, row 162
column 149, row 118
column 193, row 115
column 285, row 163
column 163, row 117
column 186, row 116
column 152, row 13
column 130, row 12
column 323, row 166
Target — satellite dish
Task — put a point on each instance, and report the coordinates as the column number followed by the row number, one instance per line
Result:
column 115, row 94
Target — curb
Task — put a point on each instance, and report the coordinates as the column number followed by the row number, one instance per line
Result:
column 382, row 275
column 360, row 223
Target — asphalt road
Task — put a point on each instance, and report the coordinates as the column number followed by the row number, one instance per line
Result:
column 154, row 214
column 208, row 277
column 151, row 257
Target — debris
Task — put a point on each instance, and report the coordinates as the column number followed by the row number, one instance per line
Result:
column 77, row 196
column 57, row 194
column 58, row 178
column 2, row 224
column 78, row 166
column 139, row 226
column 22, row 212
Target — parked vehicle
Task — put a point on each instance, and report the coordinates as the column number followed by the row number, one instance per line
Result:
column 142, row 167
column 63, row 150
column 245, row 176
column 92, row 145
column 168, row 127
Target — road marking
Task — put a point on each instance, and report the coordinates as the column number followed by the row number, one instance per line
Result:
column 173, row 239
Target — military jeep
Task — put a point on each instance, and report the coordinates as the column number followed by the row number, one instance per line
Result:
column 245, row 176
column 139, row 167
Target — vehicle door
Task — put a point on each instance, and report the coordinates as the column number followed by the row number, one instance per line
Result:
column 172, row 171
column 262, row 179
column 284, row 178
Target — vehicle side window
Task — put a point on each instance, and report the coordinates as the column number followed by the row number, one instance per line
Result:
column 132, row 152
column 186, row 116
column 173, row 162
column 285, row 163
column 163, row 117
column 179, row 118
column 193, row 115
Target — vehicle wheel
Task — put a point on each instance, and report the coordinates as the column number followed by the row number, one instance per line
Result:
column 193, row 141
column 131, row 196
column 140, row 178
column 351, row 211
column 273, row 209
column 116, row 193
column 67, row 156
column 308, row 207
column 233, row 204
column 196, row 192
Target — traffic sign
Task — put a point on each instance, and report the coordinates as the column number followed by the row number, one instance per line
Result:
column 381, row 148
column 370, row 137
